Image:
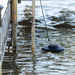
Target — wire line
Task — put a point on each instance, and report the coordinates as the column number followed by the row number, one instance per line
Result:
column 44, row 20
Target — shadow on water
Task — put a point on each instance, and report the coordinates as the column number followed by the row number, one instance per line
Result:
column 65, row 20
column 25, row 58
column 10, row 66
column 64, row 26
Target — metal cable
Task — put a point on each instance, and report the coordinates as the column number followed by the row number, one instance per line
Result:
column 44, row 20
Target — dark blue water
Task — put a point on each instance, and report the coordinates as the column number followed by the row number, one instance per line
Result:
column 60, row 20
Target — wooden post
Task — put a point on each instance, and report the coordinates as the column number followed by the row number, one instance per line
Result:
column 1, row 7
column 14, row 23
column 33, row 25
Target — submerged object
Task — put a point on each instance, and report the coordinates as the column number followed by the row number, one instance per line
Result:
column 53, row 48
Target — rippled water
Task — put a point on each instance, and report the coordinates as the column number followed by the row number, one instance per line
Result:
column 60, row 19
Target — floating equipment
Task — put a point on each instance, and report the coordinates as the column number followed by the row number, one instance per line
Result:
column 53, row 48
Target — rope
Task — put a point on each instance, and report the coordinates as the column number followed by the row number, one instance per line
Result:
column 44, row 20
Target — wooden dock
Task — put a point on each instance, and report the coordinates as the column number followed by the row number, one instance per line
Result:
column 8, row 23
column 4, row 25
column 4, row 8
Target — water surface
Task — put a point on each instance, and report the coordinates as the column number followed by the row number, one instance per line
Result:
column 60, row 20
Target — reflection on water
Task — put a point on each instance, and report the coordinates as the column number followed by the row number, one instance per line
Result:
column 61, row 27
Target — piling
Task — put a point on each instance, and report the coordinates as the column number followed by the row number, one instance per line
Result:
column 33, row 25
column 14, row 24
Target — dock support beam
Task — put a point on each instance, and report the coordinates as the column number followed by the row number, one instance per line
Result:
column 1, row 7
column 14, row 24
column 33, row 25
column 0, row 30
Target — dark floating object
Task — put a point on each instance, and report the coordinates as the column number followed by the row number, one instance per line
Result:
column 53, row 48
